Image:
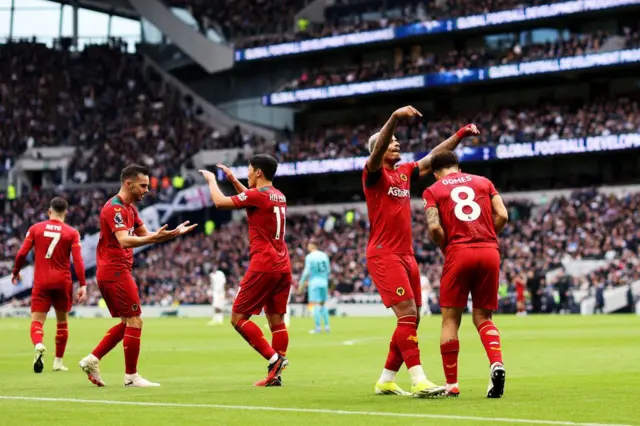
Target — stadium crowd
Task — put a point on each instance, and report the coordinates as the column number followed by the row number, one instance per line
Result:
column 265, row 22
column 103, row 101
column 546, row 121
column 587, row 225
column 421, row 60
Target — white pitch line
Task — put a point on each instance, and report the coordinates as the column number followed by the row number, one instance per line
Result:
column 306, row 410
column 356, row 341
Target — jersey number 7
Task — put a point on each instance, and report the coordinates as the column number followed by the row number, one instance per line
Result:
column 55, row 238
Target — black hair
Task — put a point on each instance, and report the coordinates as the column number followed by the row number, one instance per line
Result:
column 132, row 171
column 266, row 163
column 59, row 205
column 444, row 160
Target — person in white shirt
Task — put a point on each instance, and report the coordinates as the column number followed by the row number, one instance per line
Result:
column 218, row 282
column 425, row 284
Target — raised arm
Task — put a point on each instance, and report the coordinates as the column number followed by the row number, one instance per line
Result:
column 237, row 185
column 448, row 145
column 220, row 200
column 384, row 138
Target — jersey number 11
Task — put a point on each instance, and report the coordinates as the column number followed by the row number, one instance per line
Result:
column 281, row 221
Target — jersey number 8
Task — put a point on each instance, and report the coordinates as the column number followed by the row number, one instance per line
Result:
column 467, row 202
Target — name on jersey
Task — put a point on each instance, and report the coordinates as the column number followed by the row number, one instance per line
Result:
column 277, row 198
column 397, row 192
column 53, row 228
column 456, row 181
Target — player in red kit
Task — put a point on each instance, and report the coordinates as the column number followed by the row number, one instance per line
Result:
column 53, row 242
column 521, row 301
column 390, row 257
column 121, row 230
column 267, row 283
column 464, row 215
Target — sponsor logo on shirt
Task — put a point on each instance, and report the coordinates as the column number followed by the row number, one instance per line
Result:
column 397, row 192
column 242, row 196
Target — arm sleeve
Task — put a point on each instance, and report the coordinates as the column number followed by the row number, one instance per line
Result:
column 428, row 200
column 372, row 178
column 412, row 170
column 492, row 189
column 247, row 199
column 78, row 261
column 113, row 217
column 21, row 256
column 305, row 272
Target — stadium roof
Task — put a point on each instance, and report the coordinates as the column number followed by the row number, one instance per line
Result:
column 115, row 7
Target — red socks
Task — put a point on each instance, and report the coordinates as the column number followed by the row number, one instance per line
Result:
column 253, row 335
column 36, row 332
column 406, row 337
column 280, row 339
column 62, row 335
column 449, row 352
column 110, row 340
column 491, row 341
column 131, row 345
column 394, row 358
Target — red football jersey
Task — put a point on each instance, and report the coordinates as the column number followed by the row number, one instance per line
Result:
column 112, row 259
column 519, row 282
column 267, row 213
column 53, row 243
column 466, row 214
column 389, row 209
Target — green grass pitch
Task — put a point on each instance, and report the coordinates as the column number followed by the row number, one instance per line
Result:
column 560, row 370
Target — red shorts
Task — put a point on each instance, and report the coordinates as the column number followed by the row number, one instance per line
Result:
column 258, row 290
column 61, row 298
column 475, row 270
column 397, row 278
column 121, row 296
column 520, row 295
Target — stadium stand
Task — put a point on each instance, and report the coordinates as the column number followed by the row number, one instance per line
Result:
column 252, row 24
column 114, row 110
column 101, row 100
column 420, row 59
column 548, row 120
